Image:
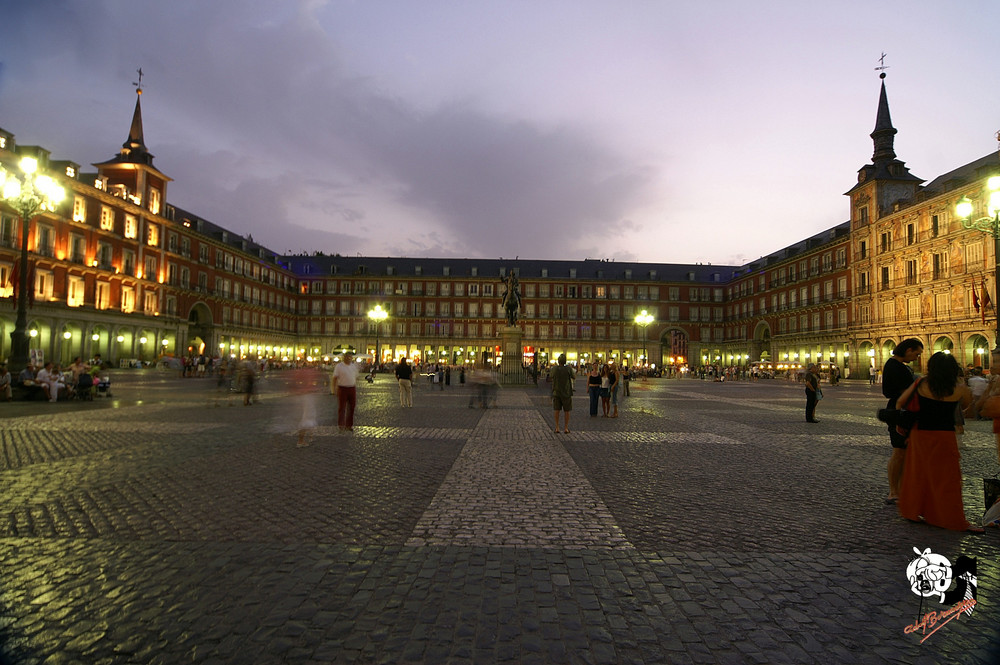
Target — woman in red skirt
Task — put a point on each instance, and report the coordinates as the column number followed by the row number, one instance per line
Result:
column 931, row 489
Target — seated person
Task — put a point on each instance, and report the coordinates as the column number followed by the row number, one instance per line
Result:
column 50, row 379
column 5, row 387
column 27, row 376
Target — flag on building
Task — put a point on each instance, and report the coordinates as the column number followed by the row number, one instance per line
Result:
column 986, row 301
column 975, row 298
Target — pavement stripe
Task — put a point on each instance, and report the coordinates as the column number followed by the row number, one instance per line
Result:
column 514, row 485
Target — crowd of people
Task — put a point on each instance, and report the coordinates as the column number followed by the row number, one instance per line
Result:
column 52, row 381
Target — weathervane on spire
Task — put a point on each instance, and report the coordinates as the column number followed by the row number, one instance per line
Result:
column 882, row 66
column 138, row 85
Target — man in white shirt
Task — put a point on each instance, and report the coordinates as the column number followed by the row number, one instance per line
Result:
column 978, row 385
column 50, row 381
column 345, row 377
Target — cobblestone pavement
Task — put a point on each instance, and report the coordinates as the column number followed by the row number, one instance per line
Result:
column 707, row 524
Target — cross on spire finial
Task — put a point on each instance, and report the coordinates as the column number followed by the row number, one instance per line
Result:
column 138, row 85
column 882, row 66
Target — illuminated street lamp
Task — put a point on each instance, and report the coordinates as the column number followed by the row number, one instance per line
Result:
column 27, row 195
column 989, row 224
column 378, row 315
column 643, row 319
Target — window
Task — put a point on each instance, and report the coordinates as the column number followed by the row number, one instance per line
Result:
column 74, row 291
column 128, row 262
column 474, row 290
column 885, row 278
column 911, row 272
column 107, row 219
column 935, row 226
column 131, row 226
column 150, row 268
column 102, row 295
column 77, row 248
column 885, row 242
column 45, row 243
column 128, row 299
column 940, row 265
column 79, row 209
column 154, row 200
column 974, row 256
column 911, row 233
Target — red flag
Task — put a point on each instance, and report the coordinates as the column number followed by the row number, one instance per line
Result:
column 986, row 301
column 975, row 298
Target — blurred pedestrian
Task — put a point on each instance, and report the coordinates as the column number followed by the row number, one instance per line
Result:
column 305, row 384
column 813, row 392
column 345, row 377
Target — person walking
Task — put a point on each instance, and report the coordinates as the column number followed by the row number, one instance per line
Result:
column 562, row 392
column 813, row 393
column 931, row 486
column 345, row 378
column 404, row 375
column 897, row 376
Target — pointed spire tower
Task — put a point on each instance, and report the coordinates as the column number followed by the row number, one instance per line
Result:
column 886, row 182
column 131, row 174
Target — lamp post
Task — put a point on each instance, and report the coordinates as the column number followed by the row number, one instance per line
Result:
column 644, row 318
column 378, row 315
column 26, row 195
column 991, row 225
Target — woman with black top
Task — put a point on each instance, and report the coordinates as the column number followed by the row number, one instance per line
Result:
column 594, row 388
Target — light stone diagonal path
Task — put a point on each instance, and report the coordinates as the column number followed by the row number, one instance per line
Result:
column 514, row 485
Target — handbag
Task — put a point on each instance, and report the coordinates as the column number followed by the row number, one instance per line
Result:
column 908, row 414
column 991, row 491
column 888, row 416
column 990, row 407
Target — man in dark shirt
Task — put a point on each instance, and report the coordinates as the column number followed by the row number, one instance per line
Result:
column 562, row 391
column 896, row 378
column 404, row 375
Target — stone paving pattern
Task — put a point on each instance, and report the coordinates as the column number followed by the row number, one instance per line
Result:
column 708, row 524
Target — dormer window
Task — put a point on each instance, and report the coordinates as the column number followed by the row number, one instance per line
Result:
column 107, row 219
column 79, row 209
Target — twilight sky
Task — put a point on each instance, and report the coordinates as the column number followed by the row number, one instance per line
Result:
column 699, row 131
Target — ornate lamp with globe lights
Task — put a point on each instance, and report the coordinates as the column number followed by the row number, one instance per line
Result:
column 643, row 319
column 990, row 224
column 378, row 315
column 27, row 194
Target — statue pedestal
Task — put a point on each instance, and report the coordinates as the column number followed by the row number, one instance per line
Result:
column 511, row 373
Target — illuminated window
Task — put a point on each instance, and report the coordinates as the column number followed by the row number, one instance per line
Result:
column 128, row 299
column 149, row 302
column 154, row 201
column 43, row 285
column 74, row 291
column 152, row 235
column 79, row 209
column 107, row 219
column 131, row 226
